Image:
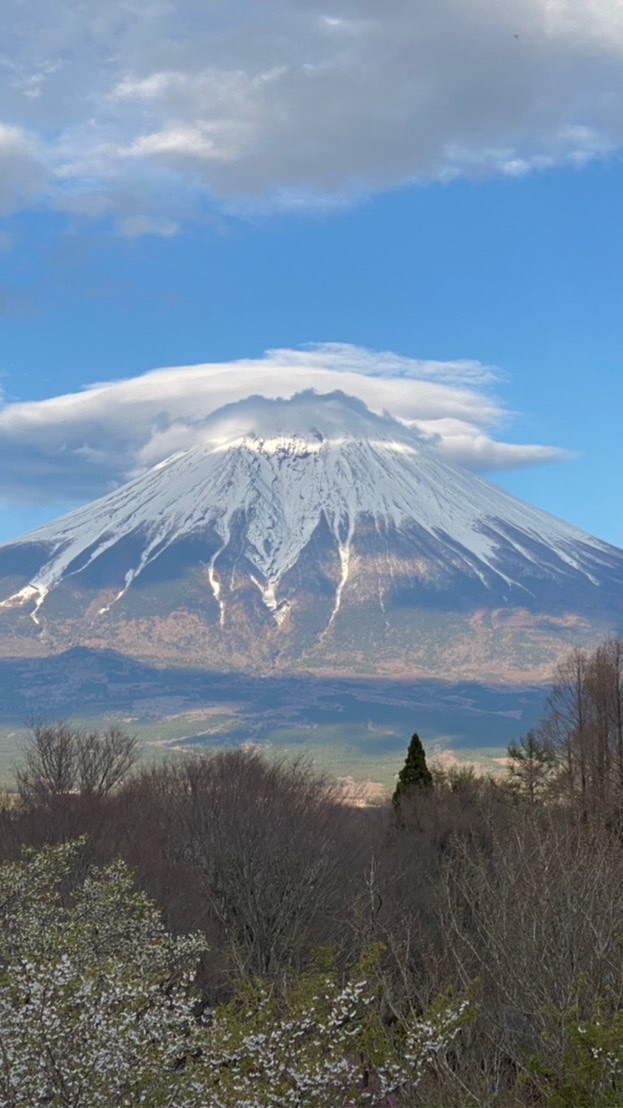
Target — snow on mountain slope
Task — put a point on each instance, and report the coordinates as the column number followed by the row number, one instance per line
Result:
column 264, row 477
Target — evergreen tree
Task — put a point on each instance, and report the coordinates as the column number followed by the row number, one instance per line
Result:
column 415, row 774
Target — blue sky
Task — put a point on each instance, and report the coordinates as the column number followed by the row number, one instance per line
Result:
column 149, row 220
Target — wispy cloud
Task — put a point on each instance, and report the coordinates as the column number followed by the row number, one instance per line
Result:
column 294, row 103
column 82, row 444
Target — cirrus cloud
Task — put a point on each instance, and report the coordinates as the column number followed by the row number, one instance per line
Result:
column 297, row 102
column 80, row 445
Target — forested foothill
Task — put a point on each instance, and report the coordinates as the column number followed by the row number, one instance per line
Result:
column 223, row 930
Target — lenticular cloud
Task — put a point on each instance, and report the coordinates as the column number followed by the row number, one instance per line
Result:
column 81, row 445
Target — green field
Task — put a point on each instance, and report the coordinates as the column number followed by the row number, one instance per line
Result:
column 361, row 751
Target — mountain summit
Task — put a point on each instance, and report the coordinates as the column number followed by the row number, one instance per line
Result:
column 312, row 534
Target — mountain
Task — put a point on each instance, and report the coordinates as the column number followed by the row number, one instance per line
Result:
column 311, row 535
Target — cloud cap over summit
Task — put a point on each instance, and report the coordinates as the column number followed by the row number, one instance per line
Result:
column 80, row 445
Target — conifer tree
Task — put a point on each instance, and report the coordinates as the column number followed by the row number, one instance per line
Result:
column 415, row 774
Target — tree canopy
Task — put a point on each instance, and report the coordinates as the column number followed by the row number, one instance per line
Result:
column 99, row 1007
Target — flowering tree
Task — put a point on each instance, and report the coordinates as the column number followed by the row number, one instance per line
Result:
column 98, row 1008
column 95, row 995
column 324, row 1045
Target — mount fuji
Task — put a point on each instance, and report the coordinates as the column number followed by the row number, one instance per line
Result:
column 311, row 535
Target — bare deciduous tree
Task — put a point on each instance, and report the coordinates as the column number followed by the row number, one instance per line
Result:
column 534, row 919
column 49, row 763
column 584, row 726
column 567, row 723
column 267, row 839
column 60, row 759
column 104, row 759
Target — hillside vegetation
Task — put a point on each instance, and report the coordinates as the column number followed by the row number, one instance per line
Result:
column 223, row 930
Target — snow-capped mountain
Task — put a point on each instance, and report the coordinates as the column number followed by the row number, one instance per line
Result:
column 311, row 533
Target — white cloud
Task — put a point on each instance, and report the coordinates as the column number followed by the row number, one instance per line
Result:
column 295, row 103
column 174, row 145
column 82, row 444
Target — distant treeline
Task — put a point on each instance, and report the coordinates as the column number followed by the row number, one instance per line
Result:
column 223, row 930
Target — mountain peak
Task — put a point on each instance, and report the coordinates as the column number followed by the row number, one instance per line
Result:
column 274, row 499
column 307, row 417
